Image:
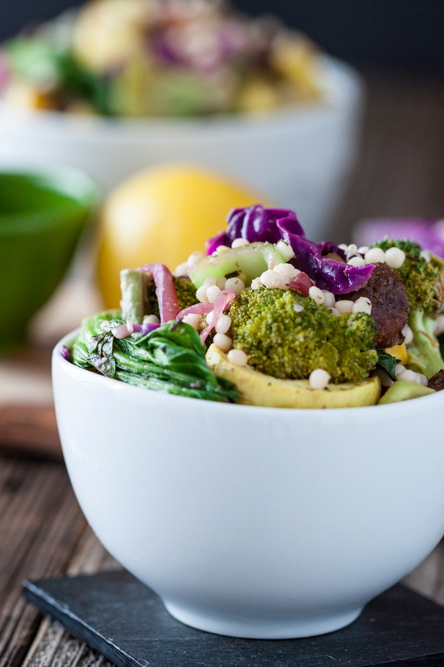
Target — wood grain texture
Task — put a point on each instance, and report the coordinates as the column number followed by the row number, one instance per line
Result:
column 400, row 172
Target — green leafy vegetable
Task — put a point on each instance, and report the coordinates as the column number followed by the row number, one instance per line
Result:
column 388, row 363
column 170, row 358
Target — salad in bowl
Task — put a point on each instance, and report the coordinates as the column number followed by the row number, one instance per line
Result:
column 237, row 432
column 269, row 318
column 144, row 58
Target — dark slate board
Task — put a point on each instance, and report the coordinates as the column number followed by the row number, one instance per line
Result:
column 126, row 622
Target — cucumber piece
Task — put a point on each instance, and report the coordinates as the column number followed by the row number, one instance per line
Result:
column 248, row 261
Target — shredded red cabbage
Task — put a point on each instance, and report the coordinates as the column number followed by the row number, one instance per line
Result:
column 65, row 352
column 327, row 247
column 429, row 234
column 165, row 291
column 328, row 274
column 255, row 223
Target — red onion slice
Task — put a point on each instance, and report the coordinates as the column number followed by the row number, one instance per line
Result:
column 222, row 302
column 196, row 309
column 165, row 291
column 301, row 283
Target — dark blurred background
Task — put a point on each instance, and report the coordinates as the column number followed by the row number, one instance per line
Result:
column 398, row 33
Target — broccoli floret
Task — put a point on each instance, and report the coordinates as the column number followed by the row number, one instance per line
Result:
column 424, row 351
column 422, row 278
column 185, row 291
column 284, row 341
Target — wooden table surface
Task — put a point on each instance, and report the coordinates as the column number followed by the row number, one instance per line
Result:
column 400, row 172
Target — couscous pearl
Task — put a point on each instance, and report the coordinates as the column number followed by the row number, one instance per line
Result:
column 223, row 324
column 375, row 256
column 352, row 249
column 316, row 294
column 285, row 250
column 394, row 257
column 220, row 250
column 399, row 369
column 329, row 299
column 408, row 376
column 192, row 319
column 237, row 357
column 209, row 318
column 201, row 294
column 422, row 379
column 209, row 281
column 212, row 293
column 334, row 311
column 408, row 336
column 151, row 319
column 357, row 260
column 286, row 270
column 182, row 269
column 255, row 283
column 298, row 308
column 271, row 279
column 235, row 285
column 344, row 306
column 222, row 341
column 194, row 258
column 319, row 379
column 363, row 249
column 425, row 254
column 238, row 243
column 220, row 282
column 362, row 305
column 343, row 246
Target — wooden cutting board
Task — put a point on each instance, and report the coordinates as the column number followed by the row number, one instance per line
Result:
column 27, row 418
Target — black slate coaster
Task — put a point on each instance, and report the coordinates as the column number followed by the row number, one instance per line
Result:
column 126, row 622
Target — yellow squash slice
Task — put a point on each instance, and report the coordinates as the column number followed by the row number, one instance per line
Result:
column 264, row 390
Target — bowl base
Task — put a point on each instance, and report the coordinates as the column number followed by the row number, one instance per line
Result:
column 292, row 627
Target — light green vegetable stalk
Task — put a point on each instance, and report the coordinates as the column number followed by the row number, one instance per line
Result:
column 424, row 353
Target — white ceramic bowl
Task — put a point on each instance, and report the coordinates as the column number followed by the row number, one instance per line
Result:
column 300, row 156
column 254, row 522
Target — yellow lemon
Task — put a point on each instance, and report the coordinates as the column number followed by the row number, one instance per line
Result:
column 162, row 215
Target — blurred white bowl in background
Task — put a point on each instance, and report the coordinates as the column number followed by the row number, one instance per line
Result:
column 299, row 156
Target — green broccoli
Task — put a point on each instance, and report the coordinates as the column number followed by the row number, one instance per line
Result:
column 284, row 341
column 422, row 278
column 185, row 292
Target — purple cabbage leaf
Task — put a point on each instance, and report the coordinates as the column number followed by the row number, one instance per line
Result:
column 270, row 225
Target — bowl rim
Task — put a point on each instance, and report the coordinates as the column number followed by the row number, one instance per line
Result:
column 352, row 415
column 341, row 84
